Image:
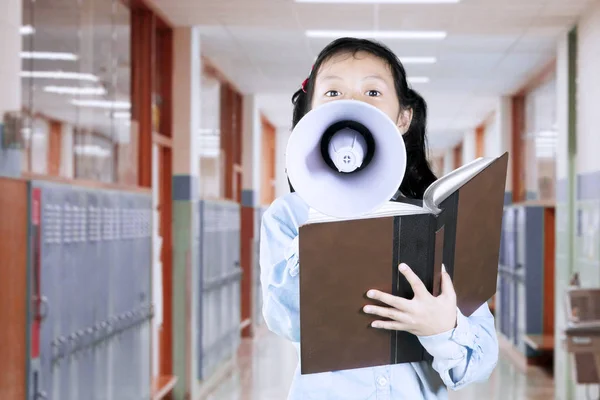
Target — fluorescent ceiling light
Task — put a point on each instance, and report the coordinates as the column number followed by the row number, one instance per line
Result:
column 49, row 55
column 378, row 34
column 418, row 60
column 74, row 90
column 122, row 115
column 418, row 79
column 122, row 105
column 381, row 1
column 59, row 75
column 27, row 30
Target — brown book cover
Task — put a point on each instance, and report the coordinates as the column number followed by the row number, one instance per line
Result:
column 340, row 260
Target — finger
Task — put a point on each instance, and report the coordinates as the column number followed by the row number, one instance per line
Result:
column 386, row 312
column 447, row 287
column 389, row 325
column 398, row 303
column 417, row 285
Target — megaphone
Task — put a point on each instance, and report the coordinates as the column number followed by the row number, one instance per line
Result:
column 346, row 158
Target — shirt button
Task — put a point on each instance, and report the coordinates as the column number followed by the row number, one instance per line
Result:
column 382, row 381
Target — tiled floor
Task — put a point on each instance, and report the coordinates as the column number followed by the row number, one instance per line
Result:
column 265, row 367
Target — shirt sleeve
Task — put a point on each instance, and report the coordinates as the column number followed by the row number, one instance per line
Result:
column 468, row 353
column 279, row 267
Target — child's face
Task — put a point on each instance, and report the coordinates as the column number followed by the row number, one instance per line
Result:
column 363, row 77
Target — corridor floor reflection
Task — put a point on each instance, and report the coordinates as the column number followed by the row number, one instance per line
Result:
column 265, row 367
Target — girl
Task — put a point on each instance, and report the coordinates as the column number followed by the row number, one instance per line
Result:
column 464, row 350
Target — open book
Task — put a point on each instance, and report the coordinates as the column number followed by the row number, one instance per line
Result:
column 458, row 224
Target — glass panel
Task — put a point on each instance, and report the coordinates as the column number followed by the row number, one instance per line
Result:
column 76, row 79
column 539, row 157
column 211, row 156
column 125, row 133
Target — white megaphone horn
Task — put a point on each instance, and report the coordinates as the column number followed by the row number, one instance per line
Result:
column 346, row 158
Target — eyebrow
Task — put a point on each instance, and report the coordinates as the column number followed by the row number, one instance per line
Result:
column 377, row 77
column 330, row 77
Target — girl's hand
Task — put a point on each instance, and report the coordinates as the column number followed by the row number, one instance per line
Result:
column 424, row 314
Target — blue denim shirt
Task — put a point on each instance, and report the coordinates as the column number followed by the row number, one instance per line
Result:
column 466, row 354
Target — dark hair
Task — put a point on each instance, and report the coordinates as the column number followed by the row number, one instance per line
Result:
column 418, row 175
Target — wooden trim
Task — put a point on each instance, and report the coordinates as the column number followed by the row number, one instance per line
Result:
column 247, row 284
column 166, row 231
column 165, row 39
column 226, row 139
column 162, row 386
column 517, row 147
column 142, row 39
column 480, row 141
column 490, row 117
column 239, row 138
column 54, row 148
column 458, row 153
column 267, row 162
column 162, row 140
column 545, row 74
column 13, row 289
column 231, row 120
column 162, row 21
column 209, row 68
column 86, row 183
column 549, row 261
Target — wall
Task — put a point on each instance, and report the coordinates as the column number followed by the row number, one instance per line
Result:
column 588, row 142
column 578, row 180
column 469, row 147
column 492, row 146
column 588, row 138
column 66, row 160
column 10, row 82
column 563, row 270
column 281, row 183
column 448, row 161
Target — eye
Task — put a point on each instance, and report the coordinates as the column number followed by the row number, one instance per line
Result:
column 373, row 93
column 332, row 93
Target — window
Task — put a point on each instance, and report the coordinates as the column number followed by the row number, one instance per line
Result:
column 540, row 140
column 76, row 79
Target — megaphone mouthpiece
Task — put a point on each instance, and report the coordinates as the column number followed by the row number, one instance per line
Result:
column 347, row 149
column 345, row 158
column 347, row 146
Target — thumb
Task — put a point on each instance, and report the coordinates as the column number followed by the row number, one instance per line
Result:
column 447, row 288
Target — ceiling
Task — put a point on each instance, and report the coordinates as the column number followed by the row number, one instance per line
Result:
column 492, row 48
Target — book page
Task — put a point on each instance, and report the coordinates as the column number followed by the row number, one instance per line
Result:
column 441, row 189
column 388, row 209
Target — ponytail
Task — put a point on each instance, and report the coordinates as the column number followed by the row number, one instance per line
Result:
column 418, row 175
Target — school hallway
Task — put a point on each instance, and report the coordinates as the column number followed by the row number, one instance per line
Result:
column 143, row 141
column 265, row 365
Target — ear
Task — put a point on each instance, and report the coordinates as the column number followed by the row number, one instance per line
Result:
column 404, row 120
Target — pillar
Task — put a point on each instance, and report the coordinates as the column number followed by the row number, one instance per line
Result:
column 449, row 161
column 185, row 279
column 251, row 177
column 281, row 182
column 468, row 147
column 10, row 80
column 503, row 142
column 563, row 265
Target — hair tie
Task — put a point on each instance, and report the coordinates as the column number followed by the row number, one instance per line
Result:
column 304, row 85
column 306, row 80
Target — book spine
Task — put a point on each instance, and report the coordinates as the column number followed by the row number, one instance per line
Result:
column 447, row 219
column 395, row 283
column 415, row 244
